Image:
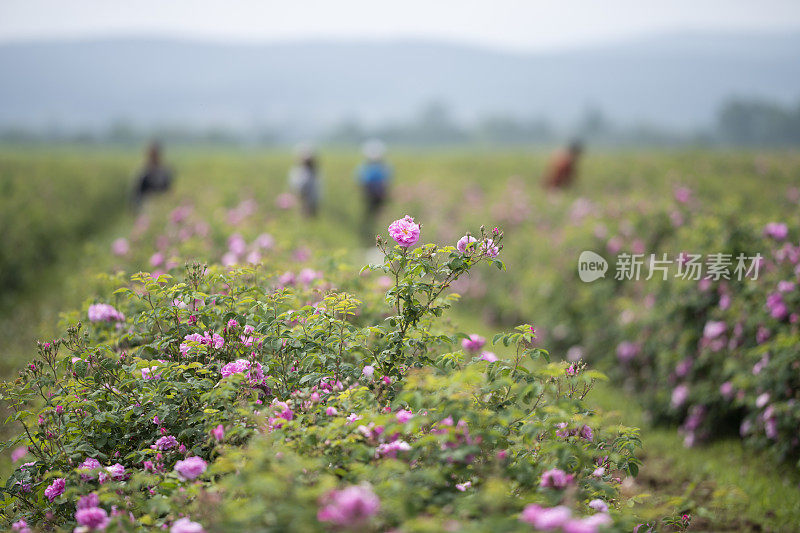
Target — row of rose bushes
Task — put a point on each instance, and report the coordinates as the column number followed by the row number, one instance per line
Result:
column 259, row 398
column 722, row 356
column 712, row 355
column 40, row 212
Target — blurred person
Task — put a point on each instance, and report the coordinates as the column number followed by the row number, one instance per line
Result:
column 155, row 177
column 373, row 175
column 563, row 167
column 304, row 180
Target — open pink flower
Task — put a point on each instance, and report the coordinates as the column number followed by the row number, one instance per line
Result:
column 776, row 230
column 555, row 478
column 184, row 525
column 488, row 356
column 104, row 313
column 94, row 518
column 473, row 343
column 404, row 416
column 55, row 489
column 404, row 231
column 349, row 507
column 190, row 468
column 464, row 242
column 545, row 518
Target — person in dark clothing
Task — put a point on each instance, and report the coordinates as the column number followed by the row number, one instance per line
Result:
column 562, row 170
column 155, row 177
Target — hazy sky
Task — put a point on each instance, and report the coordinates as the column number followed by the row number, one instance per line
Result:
column 520, row 24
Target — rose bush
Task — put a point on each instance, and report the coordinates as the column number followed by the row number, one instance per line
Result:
column 241, row 398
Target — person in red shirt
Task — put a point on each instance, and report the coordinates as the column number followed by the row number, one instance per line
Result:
column 561, row 172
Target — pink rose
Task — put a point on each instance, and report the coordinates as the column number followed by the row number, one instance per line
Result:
column 404, row 231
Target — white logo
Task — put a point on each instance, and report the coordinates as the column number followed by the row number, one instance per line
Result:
column 591, row 266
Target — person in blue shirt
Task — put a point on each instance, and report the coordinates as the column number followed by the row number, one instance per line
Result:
column 374, row 176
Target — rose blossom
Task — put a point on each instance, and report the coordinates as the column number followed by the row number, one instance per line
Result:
column 190, row 468
column 184, row 525
column 474, row 343
column 488, row 356
column 464, row 242
column 555, row 478
column 544, row 518
column 776, row 230
column 349, row 507
column 104, row 313
column 55, row 489
column 599, row 505
column 368, row 371
column 165, row 443
column 404, row 231
column 95, row 518
column 404, row 416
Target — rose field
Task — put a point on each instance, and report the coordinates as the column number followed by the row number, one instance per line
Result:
column 218, row 362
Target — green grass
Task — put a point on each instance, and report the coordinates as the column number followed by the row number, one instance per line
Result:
column 723, row 485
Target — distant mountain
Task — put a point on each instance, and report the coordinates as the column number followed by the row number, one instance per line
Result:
column 676, row 81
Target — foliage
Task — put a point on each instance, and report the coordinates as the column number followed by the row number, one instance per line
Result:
column 39, row 214
column 283, row 393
